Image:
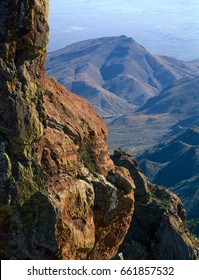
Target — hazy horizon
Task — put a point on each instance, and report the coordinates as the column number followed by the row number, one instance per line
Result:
column 162, row 27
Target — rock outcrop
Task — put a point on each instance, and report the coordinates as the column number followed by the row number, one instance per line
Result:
column 158, row 228
column 61, row 196
column 55, row 197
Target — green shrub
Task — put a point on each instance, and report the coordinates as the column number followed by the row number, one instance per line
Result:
column 87, row 158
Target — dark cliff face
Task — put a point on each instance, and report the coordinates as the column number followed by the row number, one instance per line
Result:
column 23, row 39
column 61, row 196
column 24, row 33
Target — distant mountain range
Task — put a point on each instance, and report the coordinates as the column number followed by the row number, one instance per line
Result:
column 115, row 73
column 175, row 164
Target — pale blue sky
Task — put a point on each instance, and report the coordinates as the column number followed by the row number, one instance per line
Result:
column 168, row 27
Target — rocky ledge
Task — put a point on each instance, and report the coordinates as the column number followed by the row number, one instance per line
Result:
column 158, row 228
column 61, row 195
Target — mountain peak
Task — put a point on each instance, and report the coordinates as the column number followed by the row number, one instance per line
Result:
column 126, row 38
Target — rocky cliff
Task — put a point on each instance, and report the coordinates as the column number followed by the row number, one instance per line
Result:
column 55, row 199
column 61, row 196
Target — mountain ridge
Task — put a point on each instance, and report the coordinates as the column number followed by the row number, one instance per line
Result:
column 181, row 96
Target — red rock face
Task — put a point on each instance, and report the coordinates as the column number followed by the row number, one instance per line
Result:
column 78, row 121
column 94, row 215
